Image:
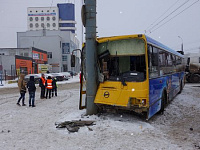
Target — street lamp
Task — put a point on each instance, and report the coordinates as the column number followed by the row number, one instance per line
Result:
column 181, row 44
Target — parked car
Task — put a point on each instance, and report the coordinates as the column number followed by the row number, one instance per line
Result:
column 67, row 75
column 36, row 77
column 48, row 74
column 73, row 73
column 59, row 76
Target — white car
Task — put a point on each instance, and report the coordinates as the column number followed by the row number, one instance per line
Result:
column 67, row 74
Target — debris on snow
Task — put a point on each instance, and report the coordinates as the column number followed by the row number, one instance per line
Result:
column 74, row 126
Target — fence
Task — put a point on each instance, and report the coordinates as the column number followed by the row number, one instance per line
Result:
column 9, row 74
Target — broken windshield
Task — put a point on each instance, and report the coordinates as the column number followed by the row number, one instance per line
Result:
column 123, row 60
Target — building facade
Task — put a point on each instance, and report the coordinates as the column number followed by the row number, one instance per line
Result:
column 42, row 18
column 52, row 29
column 17, row 60
column 58, row 44
column 61, row 18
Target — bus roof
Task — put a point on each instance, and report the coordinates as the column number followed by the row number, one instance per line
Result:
column 148, row 39
column 158, row 44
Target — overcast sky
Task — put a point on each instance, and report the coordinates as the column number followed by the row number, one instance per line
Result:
column 162, row 20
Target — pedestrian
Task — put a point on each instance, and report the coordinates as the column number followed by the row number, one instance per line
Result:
column 22, row 90
column 54, row 84
column 31, row 88
column 49, row 86
column 42, row 86
column 72, row 74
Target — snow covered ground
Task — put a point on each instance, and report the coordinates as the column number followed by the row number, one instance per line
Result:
column 25, row 128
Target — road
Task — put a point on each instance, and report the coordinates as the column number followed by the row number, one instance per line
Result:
column 27, row 128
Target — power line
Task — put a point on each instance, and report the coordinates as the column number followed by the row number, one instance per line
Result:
column 169, row 15
column 174, row 16
column 161, row 15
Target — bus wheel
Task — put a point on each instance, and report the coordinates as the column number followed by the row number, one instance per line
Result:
column 163, row 102
column 196, row 78
column 181, row 87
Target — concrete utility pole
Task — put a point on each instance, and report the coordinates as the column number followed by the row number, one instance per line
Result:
column 91, row 53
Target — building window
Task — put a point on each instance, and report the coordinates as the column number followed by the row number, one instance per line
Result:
column 42, row 10
column 49, row 54
column 48, row 18
column 31, row 18
column 65, row 48
column 31, row 25
column 36, row 11
column 42, row 18
column 64, row 58
column 26, row 54
column 48, row 24
column 36, row 19
column 42, row 57
column 36, row 25
column 31, row 11
column 54, row 24
column 53, row 18
column 42, row 25
column 53, row 10
column 47, row 10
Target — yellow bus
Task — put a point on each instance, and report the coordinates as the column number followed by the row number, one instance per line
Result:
column 137, row 73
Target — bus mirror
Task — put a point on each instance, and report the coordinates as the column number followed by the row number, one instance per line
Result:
column 72, row 60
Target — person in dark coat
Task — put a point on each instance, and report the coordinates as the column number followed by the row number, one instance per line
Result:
column 31, row 88
column 22, row 90
column 42, row 82
column 54, row 84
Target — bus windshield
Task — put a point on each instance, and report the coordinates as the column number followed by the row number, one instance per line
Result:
column 123, row 60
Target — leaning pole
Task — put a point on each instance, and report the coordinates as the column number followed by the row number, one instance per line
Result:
column 91, row 53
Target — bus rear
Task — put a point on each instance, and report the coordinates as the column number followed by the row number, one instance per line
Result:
column 124, row 73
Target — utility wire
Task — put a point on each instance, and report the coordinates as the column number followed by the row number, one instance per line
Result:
column 168, row 15
column 161, row 16
column 174, row 16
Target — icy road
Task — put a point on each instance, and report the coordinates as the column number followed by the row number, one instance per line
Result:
column 27, row 128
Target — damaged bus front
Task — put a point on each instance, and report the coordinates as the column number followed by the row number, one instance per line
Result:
column 123, row 73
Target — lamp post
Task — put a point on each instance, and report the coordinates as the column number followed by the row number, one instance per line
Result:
column 181, row 44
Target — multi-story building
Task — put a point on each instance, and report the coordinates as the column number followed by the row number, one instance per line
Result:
column 42, row 18
column 61, row 18
column 52, row 29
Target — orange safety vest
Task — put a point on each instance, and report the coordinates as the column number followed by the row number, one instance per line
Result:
column 43, row 81
column 49, row 84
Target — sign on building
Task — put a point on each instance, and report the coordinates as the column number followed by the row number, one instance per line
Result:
column 43, row 68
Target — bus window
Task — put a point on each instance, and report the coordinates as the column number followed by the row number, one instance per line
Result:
column 169, row 59
column 153, row 61
column 132, row 68
column 162, row 57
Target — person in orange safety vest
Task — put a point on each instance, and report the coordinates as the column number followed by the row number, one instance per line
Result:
column 49, row 86
column 42, row 82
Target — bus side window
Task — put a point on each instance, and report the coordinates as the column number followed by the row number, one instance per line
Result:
column 153, row 61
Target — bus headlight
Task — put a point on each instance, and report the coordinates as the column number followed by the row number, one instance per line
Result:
column 144, row 102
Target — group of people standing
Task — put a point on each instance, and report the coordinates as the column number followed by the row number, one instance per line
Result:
column 48, row 85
